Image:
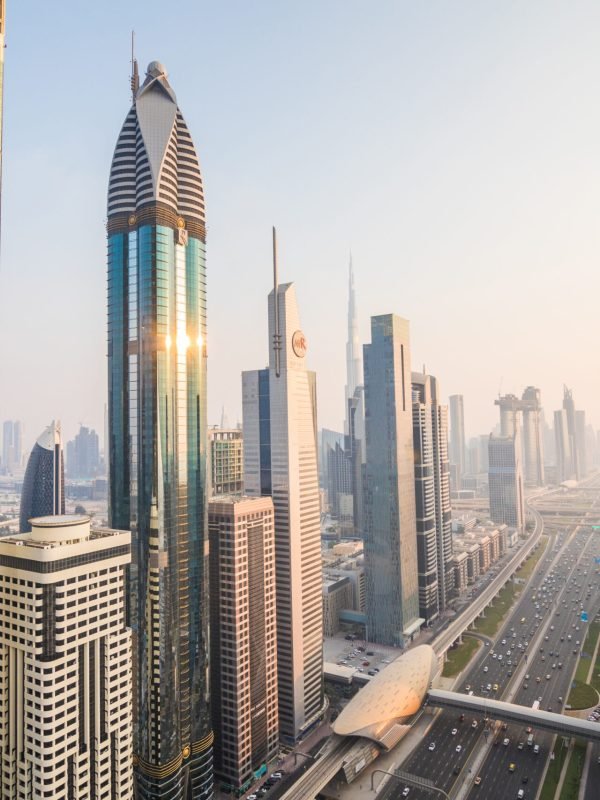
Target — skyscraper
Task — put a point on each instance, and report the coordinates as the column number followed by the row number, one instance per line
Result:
column 354, row 367
column 432, row 487
column 12, row 444
column 158, row 433
column 569, row 408
column 83, row 455
column 533, row 436
column 505, row 477
column 457, row 436
column 73, row 737
column 226, row 461
column 280, row 459
column 390, row 538
column 243, row 638
column 564, row 466
column 43, row 490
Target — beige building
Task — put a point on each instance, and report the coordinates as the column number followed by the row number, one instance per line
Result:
column 280, row 460
column 243, row 636
column 65, row 663
column 461, row 572
column 226, row 461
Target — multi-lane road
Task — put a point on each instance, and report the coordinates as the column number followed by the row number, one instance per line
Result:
column 564, row 580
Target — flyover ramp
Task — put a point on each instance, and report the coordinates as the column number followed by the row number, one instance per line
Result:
column 510, row 712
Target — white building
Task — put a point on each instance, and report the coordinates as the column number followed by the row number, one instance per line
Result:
column 65, row 663
column 505, row 478
column 280, row 459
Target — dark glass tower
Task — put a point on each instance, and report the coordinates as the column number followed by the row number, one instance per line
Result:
column 158, row 436
column 43, row 491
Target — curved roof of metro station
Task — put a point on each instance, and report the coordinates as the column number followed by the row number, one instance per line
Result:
column 393, row 696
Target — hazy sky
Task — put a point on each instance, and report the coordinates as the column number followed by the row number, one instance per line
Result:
column 452, row 146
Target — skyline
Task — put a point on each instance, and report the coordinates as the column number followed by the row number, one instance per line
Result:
column 346, row 145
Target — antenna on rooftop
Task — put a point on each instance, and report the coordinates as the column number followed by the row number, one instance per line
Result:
column 135, row 78
column 277, row 333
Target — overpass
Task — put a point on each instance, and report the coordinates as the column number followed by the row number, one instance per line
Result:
column 509, row 712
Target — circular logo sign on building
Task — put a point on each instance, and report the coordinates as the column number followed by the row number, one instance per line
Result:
column 299, row 344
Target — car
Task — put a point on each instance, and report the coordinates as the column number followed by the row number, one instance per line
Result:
column 366, row 663
column 525, row 779
column 489, row 687
column 406, row 791
column 500, row 657
column 474, row 723
column 454, row 731
column 458, row 748
column 494, row 655
column 462, row 718
column 456, row 770
column 520, row 794
column 371, row 672
column 527, row 677
column 511, row 767
column 252, row 797
column 370, row 653
column 485, row 669
column 432, row 746
column 495, row 687
column 477, row 780
column 506, row 742
column 536, row 748
column 468, row 687
column 548, row 677
column 520, row 746
column 525, row 686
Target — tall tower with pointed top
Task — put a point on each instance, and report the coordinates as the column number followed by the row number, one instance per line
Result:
column 280, row 460
column 43, row 491
column 158, row 434
column 354, row 367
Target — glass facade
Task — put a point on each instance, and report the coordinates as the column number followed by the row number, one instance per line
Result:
column 157, row 409
column 43, row 490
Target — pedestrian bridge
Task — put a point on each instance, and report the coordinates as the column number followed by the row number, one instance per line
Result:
column 509, row 712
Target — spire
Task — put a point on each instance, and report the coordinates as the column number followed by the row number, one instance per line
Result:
column 354, row 370
column 135, row 77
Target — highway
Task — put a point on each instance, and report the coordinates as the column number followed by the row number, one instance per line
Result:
column 566, row 559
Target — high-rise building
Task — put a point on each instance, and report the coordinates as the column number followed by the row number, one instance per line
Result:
column 569, row 408
column 65, row 680
column 327, row 440
column 226, row 461
column 12, row 444
column 390, row 537
column 354, row 367
column 83, row 455
column 432, row 496
column 43, row 490
column 505, row 477
column 339, row 484
column 457, row 436
column 355, row 454
column 533, row 436
column 243, row 637
column 581, row 443
column 564, row 466
column 158, row 434
column 280, row 459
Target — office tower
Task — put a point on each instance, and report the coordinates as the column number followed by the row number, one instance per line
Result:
column 484, row 462
column 432, row 496
column 533, row 436
column 83, row 455
column 564, row 466
column 356, row 453
column 226, row 461
column 105, row 445
column 280, row 459
column 65, row 681
column 457, row 436
column 581, row 443
column 354, row 369
column 510, row 418
column 569, row 408
column 158, row 434
column 328, row 439
column 12, row 444
column 505, row 476
column 390, row 537
column 339, row 480
column 43, row 490
column 243, row 662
